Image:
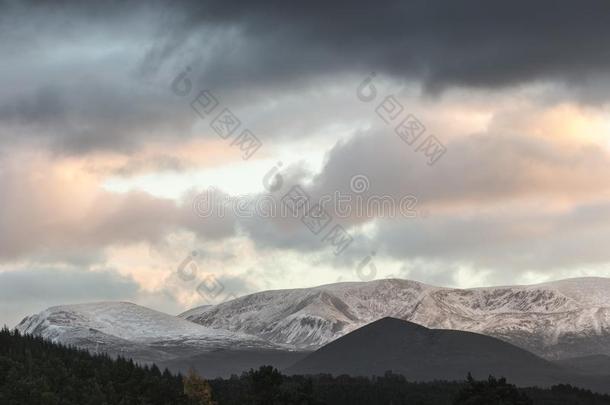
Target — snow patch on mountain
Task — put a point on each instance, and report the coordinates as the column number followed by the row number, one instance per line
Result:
column 131, row 330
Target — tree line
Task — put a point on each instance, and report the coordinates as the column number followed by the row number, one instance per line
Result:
column 34, row 371
column 267, row 386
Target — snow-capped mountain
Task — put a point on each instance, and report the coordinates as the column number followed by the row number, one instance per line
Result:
column 561, row 319
column 132, row 330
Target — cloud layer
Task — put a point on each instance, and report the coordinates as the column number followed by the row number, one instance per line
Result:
column 517, row 93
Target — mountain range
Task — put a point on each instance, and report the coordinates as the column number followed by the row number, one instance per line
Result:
column 569, row 318
column 559, row 325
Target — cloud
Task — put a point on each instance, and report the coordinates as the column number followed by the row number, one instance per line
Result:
column 27, row 291
column 484, row 167
column 495, row 201
column 515, row 239
column 78, row 80
column 472, row 43
column 52, row 206
column 71, row 79
column 517, row 92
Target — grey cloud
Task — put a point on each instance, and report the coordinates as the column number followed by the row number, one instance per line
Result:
column 27, row 291
column 437, row 273
column 512, row 241
column 71, row 81
column 77, row 117
column 235, row 285
column 484, row 203
column 84, row 76
column 81, row 76
column 484, row 167
column 468, row 43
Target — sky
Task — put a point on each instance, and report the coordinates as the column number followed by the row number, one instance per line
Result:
column 152, row 152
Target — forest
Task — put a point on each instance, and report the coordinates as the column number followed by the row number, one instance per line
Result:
column 37, row 372
column 34, row 371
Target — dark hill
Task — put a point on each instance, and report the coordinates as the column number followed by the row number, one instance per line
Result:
column 422, row 354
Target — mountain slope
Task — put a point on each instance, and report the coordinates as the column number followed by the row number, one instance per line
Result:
column 131, row 330
column 423, row 354
column 311, row 317
column 567, row 318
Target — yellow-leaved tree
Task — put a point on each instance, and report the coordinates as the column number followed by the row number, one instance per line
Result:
column 198, row 389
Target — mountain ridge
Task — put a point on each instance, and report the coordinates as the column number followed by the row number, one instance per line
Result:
column 555, row 320
column 124, row 328
column 565, row 318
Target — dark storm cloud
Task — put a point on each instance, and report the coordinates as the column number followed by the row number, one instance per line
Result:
column 80, row 117
column 465, row 43
column 82, row 76
column 71, row 80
